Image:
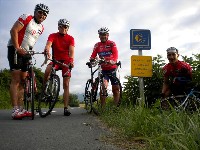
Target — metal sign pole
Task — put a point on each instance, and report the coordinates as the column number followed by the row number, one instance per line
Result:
column 140, row 39
column 141, row 86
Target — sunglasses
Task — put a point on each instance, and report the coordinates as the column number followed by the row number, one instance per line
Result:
column 172, row 54
column 42, row 12
column 103, row 34
column 63, row 26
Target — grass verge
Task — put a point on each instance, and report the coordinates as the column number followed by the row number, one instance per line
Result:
column 150, row 129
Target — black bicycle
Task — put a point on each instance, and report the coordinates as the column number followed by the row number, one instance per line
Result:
column 93, row 84
column 49, row 95
column 30, row 85
column 187, row 102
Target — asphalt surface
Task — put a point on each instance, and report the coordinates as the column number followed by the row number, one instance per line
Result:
column 79, row 131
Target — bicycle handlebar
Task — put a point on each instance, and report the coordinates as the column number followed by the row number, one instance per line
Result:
column 101, row 61
column 58, row 62
column 33, row 53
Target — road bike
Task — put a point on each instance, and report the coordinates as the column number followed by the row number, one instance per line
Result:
column 30, row 86
column 50, row 93
column 187, row 102
column 93, row 84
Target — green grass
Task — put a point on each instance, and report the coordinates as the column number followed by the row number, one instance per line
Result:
column 156, row 129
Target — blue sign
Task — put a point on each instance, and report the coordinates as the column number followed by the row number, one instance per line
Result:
column 140, row 39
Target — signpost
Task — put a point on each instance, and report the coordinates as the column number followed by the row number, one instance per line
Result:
column 140, row 39
column 141, row 66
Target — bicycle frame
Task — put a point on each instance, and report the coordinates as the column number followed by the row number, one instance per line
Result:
column 30, row 84
column 190, row 101
column 90, row 94
column 188, row 98
column 51, row 91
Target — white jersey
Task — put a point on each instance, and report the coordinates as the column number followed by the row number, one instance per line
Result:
column 30, row 32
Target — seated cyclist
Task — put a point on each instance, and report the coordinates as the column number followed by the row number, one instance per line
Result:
column 107, row 49
column 177, row 74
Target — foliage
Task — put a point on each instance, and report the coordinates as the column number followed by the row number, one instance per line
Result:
column 73, row 100
column 5, row 79
column 153, row 85
column 4, row 88
column 155, row 128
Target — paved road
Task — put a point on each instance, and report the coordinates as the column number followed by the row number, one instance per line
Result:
column 80, row 131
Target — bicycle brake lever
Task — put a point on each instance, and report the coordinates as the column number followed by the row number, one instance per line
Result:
column 45, row 60
column 89, row 64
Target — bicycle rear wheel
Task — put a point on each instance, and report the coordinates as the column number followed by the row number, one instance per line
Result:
column 49, row 97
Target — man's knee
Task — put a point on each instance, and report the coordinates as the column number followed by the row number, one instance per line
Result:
column 115, row 89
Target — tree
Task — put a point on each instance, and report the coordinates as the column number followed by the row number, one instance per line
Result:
column 73, row 100
column 153, row 85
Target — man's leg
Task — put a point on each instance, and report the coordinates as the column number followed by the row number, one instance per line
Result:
column 46, row 75
column 14, row 87
column 116, row 93
column 102, row 93
column 66, row 81
column 14, row 94
column 21, row 89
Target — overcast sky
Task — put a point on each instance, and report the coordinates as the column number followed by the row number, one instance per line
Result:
column 171, row 22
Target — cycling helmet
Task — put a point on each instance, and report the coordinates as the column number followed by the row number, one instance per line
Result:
column 42, row 7
column 64, row 22
column 103, row 30
column 172, row 49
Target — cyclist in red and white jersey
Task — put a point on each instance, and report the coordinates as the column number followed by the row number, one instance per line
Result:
column 24, row 35
column 107, row 49
column 177, row 74
column 62, row 45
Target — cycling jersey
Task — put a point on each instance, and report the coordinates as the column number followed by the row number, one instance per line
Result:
column 178, row 69
column 30, row 32
column 179, row 75
column 108, row 50
column 60, row 45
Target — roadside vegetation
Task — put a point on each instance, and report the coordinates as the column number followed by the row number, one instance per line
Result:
column 148, row 127
column 139, row 127
column 5, row 102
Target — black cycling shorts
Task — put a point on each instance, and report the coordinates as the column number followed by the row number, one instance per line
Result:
column 22, row 61
column 107, row 77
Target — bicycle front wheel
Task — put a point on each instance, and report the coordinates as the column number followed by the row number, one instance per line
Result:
column 29, row 94
column 49, row 97
column 192, row 104
column 88, row 96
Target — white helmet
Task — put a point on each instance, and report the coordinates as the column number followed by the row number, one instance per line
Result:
column 103, row 30
column 172, row 49
column 42, row 7
column 64, row 22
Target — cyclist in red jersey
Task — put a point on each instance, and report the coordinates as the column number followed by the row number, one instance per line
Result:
column 107, row 49
column 177, row 74
column 24, row 35
column 62, row 50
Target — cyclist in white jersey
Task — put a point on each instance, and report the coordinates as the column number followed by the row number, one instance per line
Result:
column 24, row 35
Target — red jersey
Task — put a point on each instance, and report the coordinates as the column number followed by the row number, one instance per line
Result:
column 175, row 70
column 108, row 50
column 30, row 32
column 60, row 45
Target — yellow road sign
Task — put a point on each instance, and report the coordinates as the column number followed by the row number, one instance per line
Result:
column 141, row 66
